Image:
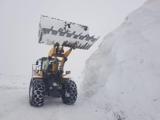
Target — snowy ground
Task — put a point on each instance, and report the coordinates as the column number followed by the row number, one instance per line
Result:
column 14, row 104
column 121, row 82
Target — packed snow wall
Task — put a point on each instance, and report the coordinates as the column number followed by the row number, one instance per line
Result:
column 126, row 67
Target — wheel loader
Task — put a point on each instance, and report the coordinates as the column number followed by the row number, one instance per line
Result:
column 48, row 75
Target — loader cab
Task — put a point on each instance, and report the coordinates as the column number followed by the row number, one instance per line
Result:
column 47, row 65
column 40, row 63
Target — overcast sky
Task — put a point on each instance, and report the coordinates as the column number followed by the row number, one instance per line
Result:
column 19, row 21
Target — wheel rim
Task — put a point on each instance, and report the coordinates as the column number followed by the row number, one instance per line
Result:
column 67, row 94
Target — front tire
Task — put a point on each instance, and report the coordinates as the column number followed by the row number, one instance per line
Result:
column 36, row 92
column 69, row 92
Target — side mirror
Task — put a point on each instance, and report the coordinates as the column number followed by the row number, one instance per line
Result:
column 68, row 72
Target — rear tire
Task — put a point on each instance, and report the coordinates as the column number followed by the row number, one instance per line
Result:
column 69, row 92
column 36, row 92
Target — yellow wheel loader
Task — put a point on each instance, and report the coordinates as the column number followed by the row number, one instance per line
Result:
column 48, row 76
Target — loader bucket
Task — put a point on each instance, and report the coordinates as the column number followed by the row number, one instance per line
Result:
column 69, row 34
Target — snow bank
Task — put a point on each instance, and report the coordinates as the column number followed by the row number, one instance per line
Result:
column 125, row 71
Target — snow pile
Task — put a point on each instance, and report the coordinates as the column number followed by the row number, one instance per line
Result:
column 125, row 71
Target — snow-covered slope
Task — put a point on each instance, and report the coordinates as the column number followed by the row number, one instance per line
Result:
column 125, row 71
